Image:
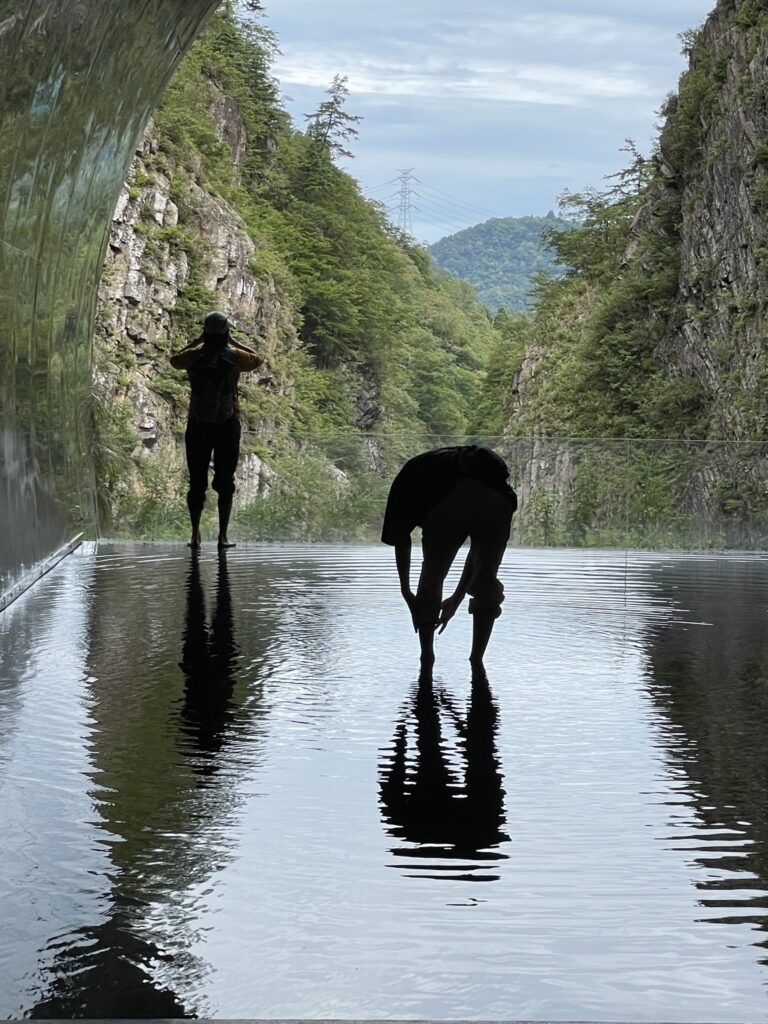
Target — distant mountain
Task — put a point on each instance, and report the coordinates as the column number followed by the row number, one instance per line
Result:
column 499, row 256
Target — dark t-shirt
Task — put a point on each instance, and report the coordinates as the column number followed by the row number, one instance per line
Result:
column 425, row 480
column 213, row 379
column 213, row 375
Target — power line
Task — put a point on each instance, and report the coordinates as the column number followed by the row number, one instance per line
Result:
column 439, row 215
column 385, row 184
column 451, row 208
column 455, row 199
column 446, row 229
column 452, row 212
column 435, row 207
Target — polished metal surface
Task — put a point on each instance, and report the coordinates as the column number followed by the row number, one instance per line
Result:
column 42, row 568
column 223, row 793
column 78, row 80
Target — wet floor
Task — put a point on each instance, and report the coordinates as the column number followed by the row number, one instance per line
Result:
column 222, row 792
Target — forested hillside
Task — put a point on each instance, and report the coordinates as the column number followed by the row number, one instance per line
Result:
column 229, row 205
column 501, row 257
column 654, row 332
column 657, row 330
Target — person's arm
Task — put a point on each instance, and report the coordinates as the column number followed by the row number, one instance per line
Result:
column 246, row 359
column 396, row 531
column 183, row 359
column 403, row 562
column 451, row 604
column 242, row 348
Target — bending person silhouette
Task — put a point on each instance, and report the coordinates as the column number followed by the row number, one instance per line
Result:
column 452, row 494
column 213, row 362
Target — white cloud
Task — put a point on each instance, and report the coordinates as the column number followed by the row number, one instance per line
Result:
column 618, row 82
column 547, row 27
column 491, row 81
column 508, row 100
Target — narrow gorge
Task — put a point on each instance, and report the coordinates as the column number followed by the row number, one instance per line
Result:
column 648, row 353
column 657, row 334
column 368, row 350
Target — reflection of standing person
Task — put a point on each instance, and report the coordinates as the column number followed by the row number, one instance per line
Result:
column 209, row 661
column 452, row 494
column 213, row 362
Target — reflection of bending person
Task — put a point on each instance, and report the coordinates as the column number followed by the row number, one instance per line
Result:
column 425, row 801
column 452, row 494
column 213, row 362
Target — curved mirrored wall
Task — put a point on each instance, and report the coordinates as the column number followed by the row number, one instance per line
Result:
column 79, row 79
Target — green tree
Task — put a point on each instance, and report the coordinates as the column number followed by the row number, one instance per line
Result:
column 331, row 126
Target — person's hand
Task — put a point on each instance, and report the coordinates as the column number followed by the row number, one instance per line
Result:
column 448, row 610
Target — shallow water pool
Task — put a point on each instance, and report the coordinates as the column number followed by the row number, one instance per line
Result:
column 222, row 792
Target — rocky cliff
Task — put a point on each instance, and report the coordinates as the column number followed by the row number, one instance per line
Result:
column 368, row 352
column 171, row 240
column 714, row 153
column 658, row 331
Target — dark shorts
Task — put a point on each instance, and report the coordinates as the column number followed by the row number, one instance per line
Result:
column 203, row 441
column 472, row 511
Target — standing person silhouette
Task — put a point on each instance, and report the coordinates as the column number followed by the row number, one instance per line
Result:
column 452, row 494
column 213, row 362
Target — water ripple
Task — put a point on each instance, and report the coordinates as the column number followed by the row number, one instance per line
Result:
column 221, row 788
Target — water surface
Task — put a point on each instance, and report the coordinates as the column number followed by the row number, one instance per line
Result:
column 223, row 792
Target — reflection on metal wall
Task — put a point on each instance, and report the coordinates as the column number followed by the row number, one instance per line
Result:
column 78, row 79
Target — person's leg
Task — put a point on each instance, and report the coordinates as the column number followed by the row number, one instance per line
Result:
column 195, row 515
column 427, row 652
column 489, row 537
column 198, row 445
column 226, row 453
column 486, row 595
column 438, row 554
column 482, row 627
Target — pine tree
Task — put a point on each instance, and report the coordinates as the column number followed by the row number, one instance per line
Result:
column 331, row 126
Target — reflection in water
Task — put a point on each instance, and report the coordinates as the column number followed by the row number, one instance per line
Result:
column 425, row 802
column 106, row 971
column 711, row 681
column 217, row 838
column 209, row 662
column 157, row 734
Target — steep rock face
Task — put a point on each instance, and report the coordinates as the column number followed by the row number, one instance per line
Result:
column 714, row 150
column 229, row 126
column 155, row 257
column 678, row 332
column 708, row 198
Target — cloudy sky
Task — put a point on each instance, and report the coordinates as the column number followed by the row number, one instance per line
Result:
column 497, row 105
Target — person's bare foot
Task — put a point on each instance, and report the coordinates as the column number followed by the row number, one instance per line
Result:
column 224, row 544
column 195, row 542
